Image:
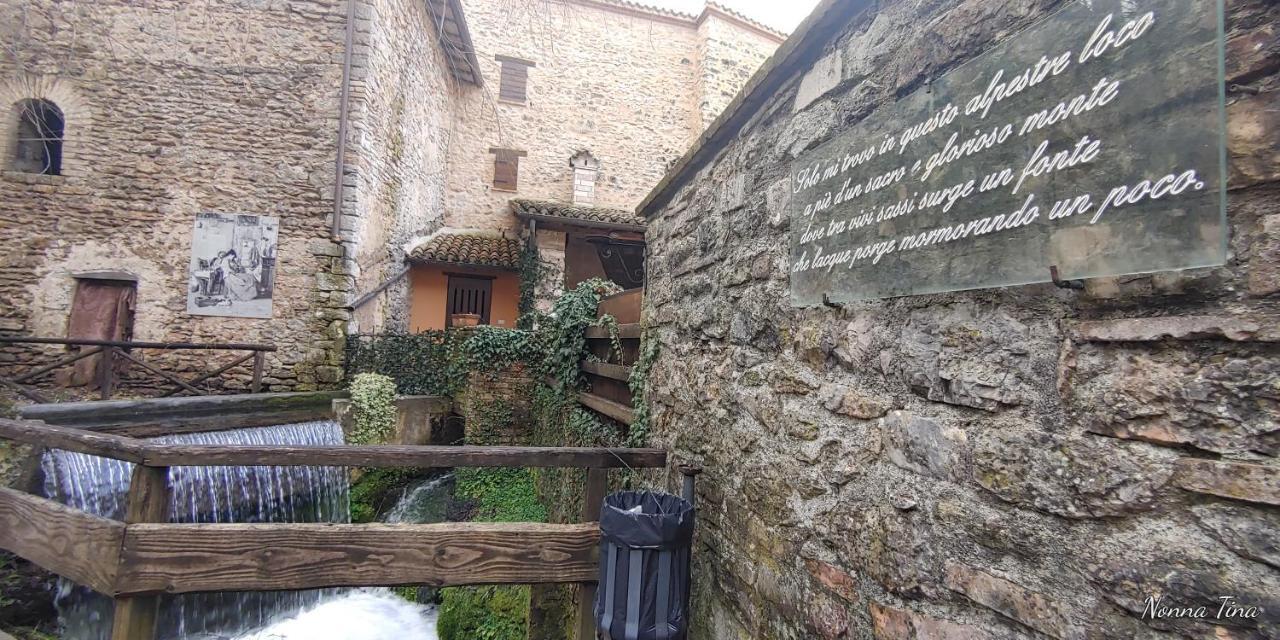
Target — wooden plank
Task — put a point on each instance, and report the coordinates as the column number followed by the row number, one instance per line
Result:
column 629, row 331
column 183, row 558
column 150, row 410
column 125, row 344
column 612, row 371
column 616, row 410
column 624, row 306
column 70, row 543
column 203, row 424
column 78, row 440
column 135, row 617
column 597, row 485
column 402, row 456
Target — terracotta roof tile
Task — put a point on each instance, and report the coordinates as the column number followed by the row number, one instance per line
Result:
column 470, row 249
column 572, row 212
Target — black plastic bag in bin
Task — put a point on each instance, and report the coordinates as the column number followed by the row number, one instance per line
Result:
column 645, row 542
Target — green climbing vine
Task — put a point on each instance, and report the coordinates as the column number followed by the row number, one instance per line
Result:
column 638, row 382
column 531, row 272
column 373, row 407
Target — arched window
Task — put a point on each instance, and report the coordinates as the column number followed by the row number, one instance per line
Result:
column 39, row 137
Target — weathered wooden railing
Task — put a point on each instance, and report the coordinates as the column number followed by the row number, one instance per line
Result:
column 609, row 372
column 120, row 350
column 137, row 560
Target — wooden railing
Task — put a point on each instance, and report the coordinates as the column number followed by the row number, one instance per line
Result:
column 137, row 560
column 608, row 374
column 113, row 351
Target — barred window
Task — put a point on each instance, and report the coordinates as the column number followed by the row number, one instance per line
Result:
column 38, row 143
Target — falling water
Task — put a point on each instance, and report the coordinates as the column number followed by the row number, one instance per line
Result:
column 373, row 614
column 205, row 494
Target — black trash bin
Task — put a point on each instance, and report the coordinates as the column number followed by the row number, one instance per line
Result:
column 645, row 543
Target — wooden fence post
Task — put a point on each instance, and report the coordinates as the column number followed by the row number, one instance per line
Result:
column 107, row 372
column 258, row 363
column 597, row 485
column 135, row 617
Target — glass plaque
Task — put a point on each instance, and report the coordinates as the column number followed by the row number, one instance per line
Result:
column 1091, row 141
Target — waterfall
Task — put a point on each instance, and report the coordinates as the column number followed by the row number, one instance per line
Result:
column 205, row 494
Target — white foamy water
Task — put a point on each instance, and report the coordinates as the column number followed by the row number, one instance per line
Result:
column 359, row 615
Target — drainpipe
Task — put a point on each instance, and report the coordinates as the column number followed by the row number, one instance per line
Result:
column 343, row 110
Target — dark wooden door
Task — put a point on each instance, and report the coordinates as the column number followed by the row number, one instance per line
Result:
column 469, row 294
column 100, row 310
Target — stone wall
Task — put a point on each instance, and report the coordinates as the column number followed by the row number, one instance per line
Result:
column 728, row 54
column 173, row 109
column 401, row 117
column 1004, row 463
column 620, row 82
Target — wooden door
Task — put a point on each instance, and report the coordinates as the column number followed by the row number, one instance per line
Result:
column 100, row 310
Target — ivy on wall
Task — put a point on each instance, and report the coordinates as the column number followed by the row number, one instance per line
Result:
column 373, row 397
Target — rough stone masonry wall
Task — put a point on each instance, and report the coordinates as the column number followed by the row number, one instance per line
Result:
column 1026, row 462
column 614, row 84
column 728, row 55
column 401, row 116
column 174, row 108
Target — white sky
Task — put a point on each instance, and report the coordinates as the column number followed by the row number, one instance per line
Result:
column 779, row 14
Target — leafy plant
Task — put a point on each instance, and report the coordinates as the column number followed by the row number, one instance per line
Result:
column 484, row 613
column 638, row 382
column 373, row 406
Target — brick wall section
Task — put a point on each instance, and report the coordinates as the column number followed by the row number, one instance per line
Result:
column 510, row 387
column 1005, row 463
column 170, row 107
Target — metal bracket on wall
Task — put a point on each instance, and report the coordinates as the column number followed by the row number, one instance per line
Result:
column 1063, row 284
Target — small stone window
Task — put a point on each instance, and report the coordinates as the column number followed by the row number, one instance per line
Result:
column 513, row 84
column 38, row 142
column 585, row 169
column 506, row 168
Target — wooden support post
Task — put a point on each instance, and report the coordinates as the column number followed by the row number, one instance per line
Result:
column 597, row 485
column 107, row 372
column 259, row 361
column 135, row 617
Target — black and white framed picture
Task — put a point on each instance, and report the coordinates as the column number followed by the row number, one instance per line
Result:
column 233, row 265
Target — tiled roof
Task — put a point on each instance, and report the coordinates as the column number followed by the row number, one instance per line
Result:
column 470, row 249
column 571, row 212
column 745, row 18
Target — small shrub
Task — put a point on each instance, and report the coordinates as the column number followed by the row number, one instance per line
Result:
column 373, row 398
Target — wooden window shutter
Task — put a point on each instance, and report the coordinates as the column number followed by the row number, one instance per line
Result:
column 506, row 169
column 513, row 83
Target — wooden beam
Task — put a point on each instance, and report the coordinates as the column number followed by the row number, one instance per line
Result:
column 78, row 440
column 256, row 355
column 203, row 424
column 631, row 331
column 28, row 393
column 612, row 371
column 183, row 558
column 182, row 384
column 70, row 543
column 135, row 617
column 401, row 456
column 127, row 344
column 616, row 410
column 151, row 410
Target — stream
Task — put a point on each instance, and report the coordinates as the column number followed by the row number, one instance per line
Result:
column 373, row 614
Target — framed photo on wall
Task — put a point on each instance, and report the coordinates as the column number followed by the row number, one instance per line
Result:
column 233, row 265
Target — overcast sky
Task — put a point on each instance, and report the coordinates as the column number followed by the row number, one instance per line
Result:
column 779, row 14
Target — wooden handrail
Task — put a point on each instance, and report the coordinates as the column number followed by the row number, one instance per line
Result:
column 185, row 558
column 77, row 440
column 168, row 455
column 68, row 542
column 130, row 344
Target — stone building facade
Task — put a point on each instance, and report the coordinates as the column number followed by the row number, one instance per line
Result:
column 172, row 109
column 1025, row 462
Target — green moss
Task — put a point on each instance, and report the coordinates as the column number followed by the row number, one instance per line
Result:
column 484, row 613
column 377, row 489
column 491, row 613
